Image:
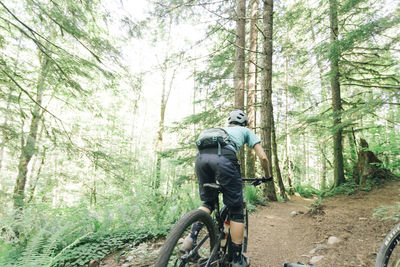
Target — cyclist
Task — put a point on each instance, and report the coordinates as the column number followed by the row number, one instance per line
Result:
column 221, row 164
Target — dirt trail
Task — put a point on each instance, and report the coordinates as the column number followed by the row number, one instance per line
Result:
column 276, row 236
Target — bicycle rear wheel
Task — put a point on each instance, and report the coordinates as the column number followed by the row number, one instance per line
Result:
column 171, row 254
column 389, row 254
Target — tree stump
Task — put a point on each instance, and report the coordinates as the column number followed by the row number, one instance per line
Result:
column 369, row 166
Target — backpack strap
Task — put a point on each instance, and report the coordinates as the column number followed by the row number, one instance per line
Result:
column 230, row 141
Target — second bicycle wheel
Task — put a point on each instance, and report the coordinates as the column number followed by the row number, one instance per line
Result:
column 172, row 254
column 389, row 254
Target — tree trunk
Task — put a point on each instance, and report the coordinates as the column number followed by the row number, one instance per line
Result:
column 276, row 164
column 266, row 106
column 336, row 98
column 324, row 162
column 164, row 100
column 33, row 184
column 305, row 157
column 239, row 77
column 160, row 134
column 28, row 148
column 352, row 160
column 93, row 194
column 324, row 88
column 323, row 172
column 322, row 81
column 252, row 85
column 369, row 166
column 287, row 139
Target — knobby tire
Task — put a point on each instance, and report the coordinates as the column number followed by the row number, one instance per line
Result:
column 391, row 241
column 178, row 230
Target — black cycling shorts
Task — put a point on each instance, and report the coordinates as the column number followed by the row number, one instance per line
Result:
column 224, row 168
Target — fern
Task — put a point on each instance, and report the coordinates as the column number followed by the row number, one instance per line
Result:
column 388, row 212
column 75, row 235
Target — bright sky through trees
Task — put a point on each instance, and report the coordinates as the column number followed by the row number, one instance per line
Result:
column 143, row 55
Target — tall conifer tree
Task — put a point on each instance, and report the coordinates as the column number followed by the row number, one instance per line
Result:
column 266, row 101
column 336, row 96
column 239, row 75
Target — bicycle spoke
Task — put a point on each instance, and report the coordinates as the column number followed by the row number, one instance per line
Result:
column 201, row 250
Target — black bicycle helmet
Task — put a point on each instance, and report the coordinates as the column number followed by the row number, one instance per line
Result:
column 238, row 117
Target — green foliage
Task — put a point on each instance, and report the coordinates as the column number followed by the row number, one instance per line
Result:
column 73, row 236
column 89, row 189
column 306, row 191
column 316, row 207
column 388, row 212
column 253, row 196
column 97, row 246
column 348, row 188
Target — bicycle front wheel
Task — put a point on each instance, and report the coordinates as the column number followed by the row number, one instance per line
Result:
column 389, row 254
column 172, row 254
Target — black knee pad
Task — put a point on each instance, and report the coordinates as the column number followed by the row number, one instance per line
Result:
column 236, row 214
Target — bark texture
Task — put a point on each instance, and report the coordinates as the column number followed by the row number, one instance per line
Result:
column 266, row 105
column 276, row 164
column 336, row 98
column 369, row 166
column 252, row 84
column 239, row 75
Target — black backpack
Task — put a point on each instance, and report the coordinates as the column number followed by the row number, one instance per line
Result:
column 214, row 137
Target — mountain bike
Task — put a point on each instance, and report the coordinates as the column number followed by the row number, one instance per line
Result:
column 389, row 253
column 213, row 246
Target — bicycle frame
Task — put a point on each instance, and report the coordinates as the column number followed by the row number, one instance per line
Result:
column 222, row 215
column 217, row 249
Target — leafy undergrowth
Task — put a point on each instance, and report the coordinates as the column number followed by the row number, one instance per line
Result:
column 72, row 236
column 388, row 212
column 347, row 188
column 253, row 196
column 97, row 246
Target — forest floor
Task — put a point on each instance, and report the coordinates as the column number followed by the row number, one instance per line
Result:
column 277, row 235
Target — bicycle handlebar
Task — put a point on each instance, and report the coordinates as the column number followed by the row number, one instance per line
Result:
column 257, row 181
